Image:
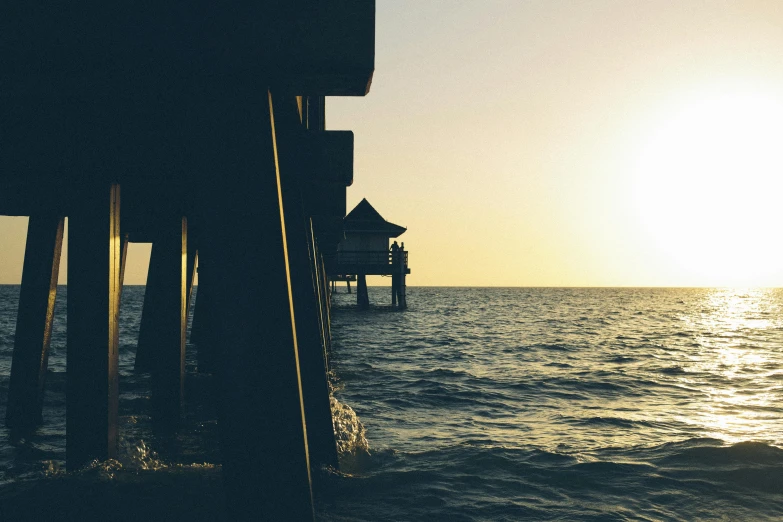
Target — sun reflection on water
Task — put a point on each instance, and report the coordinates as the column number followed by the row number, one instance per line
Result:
column 733, row 365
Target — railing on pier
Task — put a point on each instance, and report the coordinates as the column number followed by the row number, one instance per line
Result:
column 371, row 257
column 377, row 262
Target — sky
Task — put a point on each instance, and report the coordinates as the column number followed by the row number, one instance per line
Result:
column 566, row 143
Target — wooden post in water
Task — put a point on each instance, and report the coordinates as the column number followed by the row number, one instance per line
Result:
column 202, row 333
column 123, row 261
column 395, row 274
column 94, row 256
column 146, row 345
column 348, row 282
column 362, row 297
column 34, row 323
column 403, row 300
column 323, row 313
column 402, row 269
column 327, row 295
column 266, row 467
column 190, row 278
column 165, row 334
column 322, row 446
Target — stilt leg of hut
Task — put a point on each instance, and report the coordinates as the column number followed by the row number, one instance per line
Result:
column 262, row 425
column 164, row 338
column 362, row 297
column 348, row 282
column 402, row 290
column 94, row 254
column 34, row 323
column 395, row 289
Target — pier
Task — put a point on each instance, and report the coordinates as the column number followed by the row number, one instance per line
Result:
column 200, row 129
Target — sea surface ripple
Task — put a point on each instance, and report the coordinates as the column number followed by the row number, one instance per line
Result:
column 564, row 404
column 475, row 404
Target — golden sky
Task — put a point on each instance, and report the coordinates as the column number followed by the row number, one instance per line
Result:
column 567, row 143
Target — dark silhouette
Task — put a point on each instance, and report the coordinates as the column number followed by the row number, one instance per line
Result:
column 197, row 128
column 366, row 251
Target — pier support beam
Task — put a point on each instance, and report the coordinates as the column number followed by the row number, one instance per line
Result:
column 324, row 321
column 312, row 363
column 123, row 262
column 161, row 348
column 262, row 425
column 94, row 254
column 202, row 332
column 190, row 277
column 34, row 323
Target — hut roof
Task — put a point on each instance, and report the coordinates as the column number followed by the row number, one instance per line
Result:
column 365, row 219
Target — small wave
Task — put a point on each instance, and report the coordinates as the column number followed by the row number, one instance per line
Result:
column 349, row 431
column 134, row 456
column 621, row 359
column 615, row 422
column 445, row 372
column 673, row 370
column 712, row 454
column 559, row 365
column 554, row 347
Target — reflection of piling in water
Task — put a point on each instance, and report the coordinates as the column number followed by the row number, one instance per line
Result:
column 213, row 142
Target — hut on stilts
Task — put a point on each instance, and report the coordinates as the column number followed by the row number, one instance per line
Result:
column 366, row 251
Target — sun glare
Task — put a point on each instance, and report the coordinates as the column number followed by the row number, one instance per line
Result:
column 736, row 346
column 707, row 187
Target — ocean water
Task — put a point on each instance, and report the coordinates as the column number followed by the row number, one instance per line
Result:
column 476, row 405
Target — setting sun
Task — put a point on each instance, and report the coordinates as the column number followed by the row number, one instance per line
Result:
column 707, row 182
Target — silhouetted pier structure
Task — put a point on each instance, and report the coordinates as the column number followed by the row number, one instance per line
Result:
column 347, row 279
column 198, row 128
column 365, row 251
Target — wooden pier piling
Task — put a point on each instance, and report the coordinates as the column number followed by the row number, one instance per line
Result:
column 315, row 390
column 263, row 429
column 94, row 256
column 203, row 331
column 162, row 336
column 323, row 313
column 34, row 323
